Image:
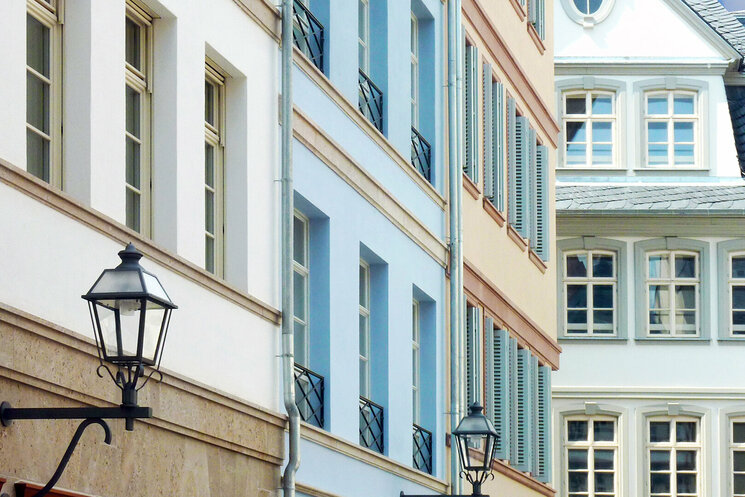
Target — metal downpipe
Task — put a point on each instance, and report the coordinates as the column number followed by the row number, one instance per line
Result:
column 287, row 215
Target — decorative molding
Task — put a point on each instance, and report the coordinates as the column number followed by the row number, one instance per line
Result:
column 517, row 238
column 536, row 259
column 265, row 14
column 471, row 187
column 364, row 124
column 638, row 67
column 519, row 10
column 656, row 393
column 338, row 160
column 528, row 333
column 493, row 212
column 65, row 204
column 313, row 491
column 370, row 457
column 536, row 39
column 654, row 224
column 507, row 61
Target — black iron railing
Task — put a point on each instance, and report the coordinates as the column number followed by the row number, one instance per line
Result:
column 371, row 101
column 309, row 395
column 422, row 449
column 421, row 154
column 371, row 425
column 308, row 33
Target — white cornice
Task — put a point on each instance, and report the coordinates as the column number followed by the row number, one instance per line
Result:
column 572, row 66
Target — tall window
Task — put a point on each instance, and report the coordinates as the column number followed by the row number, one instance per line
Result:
column 43, row 75
column 364, row 329
column 590, row 283
column 591, row 456
column 301, row 276
column 737, row 292
column 214, row 154
column 415, row 362
column 589, row 128
column 672, row 293
column 673, row 452
column 414, row 71
column 670, row 121
column 737, row 456
column 137, row 63
column 363, row 30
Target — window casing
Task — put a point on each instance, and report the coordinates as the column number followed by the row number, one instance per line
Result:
column 673, row 456
column 364, row 307
column 138, row 64
column 414, row 71
column 416, row 362
column 591, row 292
column 43, row 91
column 736, row 282
column 591, row 460
column 214, row 167
column 671, row 128
column 737, row 456
column 589, row 127
column 301, row 279
column 672, row 287
column 363, row 40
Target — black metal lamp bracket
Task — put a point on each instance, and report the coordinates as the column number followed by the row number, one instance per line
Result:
column 89, row 415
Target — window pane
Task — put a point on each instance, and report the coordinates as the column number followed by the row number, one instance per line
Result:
column 683, row 154
column 602, row 105
column 739, row 484
column 685, row 431
column 577, row 317
column 602, row 266
column 209, row 212
column 659, row 266
column 659, row 322
column 576, row 431
column 582, row 6
column 604, row 459
column 686, row 460
column 659, row 297
column 209, row 165
column 685, row 322
column 576, row 296
column 659, row 460
column 738, row 433
column 659, row 431
column 132, row 98
column 738, row 267
column 363, row 336
column 683, row 104
column 37, row 155
column 37, row 103
column 363, row 287
column 361, row 19
column 602, row 296
column 594, row 5
column 209, row 254
column 603, row 481
column 578, row 459
column 132, row 45
column 300, row 343
column 578, row 482
column 602, row 154
column 133, row 210
column 738, row 460
column 660, row 483
column 657, row 132
column 576, row 131
column 209, row 102
column 577, row 265
column 683, row 132
column 576, row 154
column 298, row 241
column 603, row 321
column 657, row 154
column 576, row 105
column 686, row 483
column 300, row 296
column 685, row 297
column 738, row 297
column 603, row 431
column 602, row 132
column 132, row 165
column 657, row 105
column 37, row 45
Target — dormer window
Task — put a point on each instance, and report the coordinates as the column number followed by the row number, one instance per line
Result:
column 589, row 124
column 671, row 128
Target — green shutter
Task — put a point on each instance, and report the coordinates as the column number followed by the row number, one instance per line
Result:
column 541, row 199
column 530, row 202
column 498, row 145
column 488, row 134
column 512, row 159
column 498, row 396
column 473, row 356
column 513, row 401
column 543, row 472
column 470, row 166
column 521, row 185
column 533, row 13
column 534, row 418
column 524, row 460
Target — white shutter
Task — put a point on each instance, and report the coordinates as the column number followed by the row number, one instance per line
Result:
column 543, row 208
column 498, row 396
column 488, row 134
column 498, row 145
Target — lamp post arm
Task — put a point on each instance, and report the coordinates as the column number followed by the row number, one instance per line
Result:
column 8, row 414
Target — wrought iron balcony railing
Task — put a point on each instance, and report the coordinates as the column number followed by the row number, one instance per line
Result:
column 422, row 449
column 309, row 395
column 371, row 425
column 421, row 154
column 371, row 101
column 308, row 33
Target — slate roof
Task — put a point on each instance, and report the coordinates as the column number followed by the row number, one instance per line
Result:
column 724, row 199
column 721, row 20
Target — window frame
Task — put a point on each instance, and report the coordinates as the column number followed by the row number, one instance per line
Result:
column 670, row 118
column 671, row 282
column 589, row 119
column 49, row 14
column 364, row 311
column 725, row 251
column 416, row 355
column 673, row 446
column 363, row 39
column 414, row 71
column 590, row 282
column 731, row 448
column 587, row 20
column 303, row 271
column 591, row 446
column 215, row 138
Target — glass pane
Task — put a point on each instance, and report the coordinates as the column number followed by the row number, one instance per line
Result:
column 577, row 459
column 133, row 210
column 657, row 132
column 576, row 105
column 362, row 57
column 657, row 104
column 576, row 154
column 594, row 5
column 738, row 460
column 602, row 296
column 363, row 287
column 739, row 484
column 659, row 322
column 576, row 296
column 363, row 335
column 659, row 431
column 577, row 317
column 603, row 321
column 576, row 131
column 298, row 241
column 209, row 253
column 361, row 19
column 299, row 288
column 686, row 483
column 582, row 6
column 604, row 459
column 37, row 46
column 659, row 266
column 738, row 297
column 657, row 154
column 578, row 482
column 683, row 104
column 685, row 322
column 683, row 154
column 132, row 98
column 603, row 431
column 209, row 212
column 659, row 460
column 576, row 431
column 686, row 460
column 602, row 105
column 660, row 483
column 738, row 267
column 132, row 45
column 300, row 343
column 153, row 323
column 209, row 102
column 685, row 296
column 363, row 380
column 659, row 297
column 209, row 165
column 685, row 431
column 37, row 103
column 602, row 266
column 132, row 164
column 603, row 481
column 602, row 132
column 683, row 132
column 602, row 154
column 738, row 433
column 685, row 266
column 37, row 155
column 577, row 265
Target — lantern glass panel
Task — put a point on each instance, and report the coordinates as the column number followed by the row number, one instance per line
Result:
column 107, row 326
column 154, row 287
column 118, row 282
column 465, row 455
column 154, row 318
column 120, row 326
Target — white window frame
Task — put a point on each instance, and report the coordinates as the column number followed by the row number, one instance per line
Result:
column 414, row 72
column 590, row 445
column 733, row 282
column 673, row 446
column 670, row 118
column 590, row 282
column 214, row 136
column 671, row 282
column 416, row 357
column 303, row 270
column 49, row 14
column 589, row 118
column 364, row 310
column 141, row 82
column 363, row 39
column 587, row 20
column 732, row 448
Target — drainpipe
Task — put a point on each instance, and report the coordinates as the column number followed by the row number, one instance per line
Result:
column 456, row 257
column 287, row 215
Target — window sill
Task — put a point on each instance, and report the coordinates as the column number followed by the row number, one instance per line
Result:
column 591, row 168
column 517, row 238
column 493, row 212
column 731, row 339
column 593, row 338
column 671, row 168
column 519, row 9
column 471, row 187
column 672, row 339
column 536, row 259
column 536, row 38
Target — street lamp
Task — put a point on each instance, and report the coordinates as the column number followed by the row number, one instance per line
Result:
column 474, row 430
column 130, row 311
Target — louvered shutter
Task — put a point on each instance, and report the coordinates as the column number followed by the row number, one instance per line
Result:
column 513, row 402
column 533, row 12
column 524, row 411
column 498, row 145
column 498, row 385
column 541, row 199
column 470, row 142
column 488, row 134
column 543, row 472
column 542, row 19
column 512, row 160
column 530, row 202
column 534, row 418
column 521, row 186
column 473, row 356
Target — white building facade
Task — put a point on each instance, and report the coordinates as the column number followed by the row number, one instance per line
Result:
column 649, row 400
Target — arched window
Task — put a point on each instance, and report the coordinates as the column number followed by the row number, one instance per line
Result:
column 587, row 12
